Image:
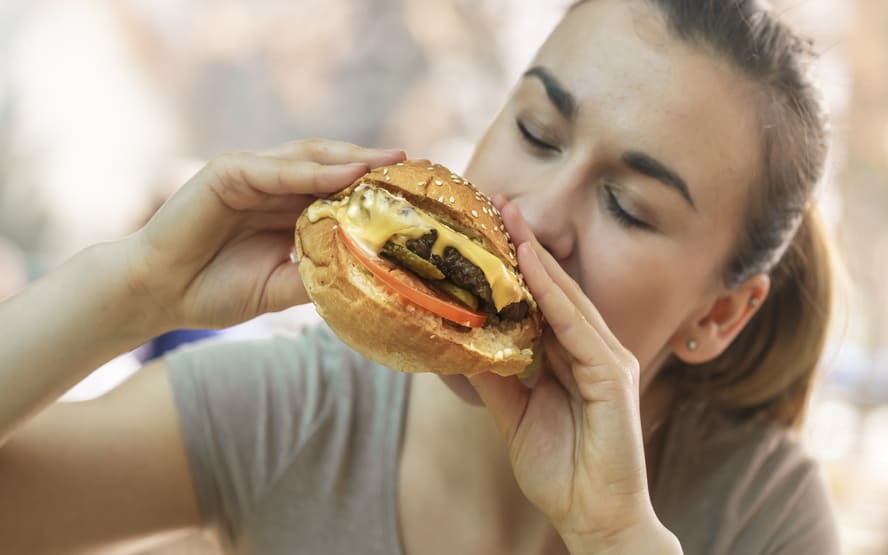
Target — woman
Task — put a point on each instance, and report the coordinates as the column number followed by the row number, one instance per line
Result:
column 654, row 165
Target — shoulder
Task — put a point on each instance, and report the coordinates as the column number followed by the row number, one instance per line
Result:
column 733, row 486
column 313, row 354
column 273, row 426
column 310, row 375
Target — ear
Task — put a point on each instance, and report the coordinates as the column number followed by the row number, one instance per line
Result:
column 711, row 330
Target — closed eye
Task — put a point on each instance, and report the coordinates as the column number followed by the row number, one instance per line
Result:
column 620, row 214
column 533, row 140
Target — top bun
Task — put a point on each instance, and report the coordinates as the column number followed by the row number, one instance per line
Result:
column 452, row 198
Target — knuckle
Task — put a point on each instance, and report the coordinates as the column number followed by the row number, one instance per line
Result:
column 316, row 147
column 228, row 162
column 219, row 164
column 290, row 148
column 629, row 369
column 221, row 169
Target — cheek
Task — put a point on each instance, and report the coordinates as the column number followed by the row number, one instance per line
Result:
column 638, row 288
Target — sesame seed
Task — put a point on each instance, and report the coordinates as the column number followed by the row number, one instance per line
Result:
column 507, row 351
column 422, row 183
column 385, row 171
column 498, row 355
column 388, row 178
column 431, row 168
column 399, row 164
column 483, row 226
column 475, row 213
column 441, row 199
column 451, row 199
column 439, row 182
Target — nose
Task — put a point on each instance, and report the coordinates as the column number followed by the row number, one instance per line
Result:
column 548, row 215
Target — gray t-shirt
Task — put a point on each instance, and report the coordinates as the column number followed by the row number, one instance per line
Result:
column 293, row 445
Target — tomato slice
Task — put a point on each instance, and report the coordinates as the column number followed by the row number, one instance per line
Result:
column 436, row 305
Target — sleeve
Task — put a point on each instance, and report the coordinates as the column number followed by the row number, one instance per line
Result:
column 246, row 408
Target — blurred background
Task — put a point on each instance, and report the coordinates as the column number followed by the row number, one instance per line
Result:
column 107, row 106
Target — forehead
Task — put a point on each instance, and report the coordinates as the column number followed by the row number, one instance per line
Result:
column 638, row 87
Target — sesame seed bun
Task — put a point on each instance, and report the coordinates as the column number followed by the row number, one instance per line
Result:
column 370, row 317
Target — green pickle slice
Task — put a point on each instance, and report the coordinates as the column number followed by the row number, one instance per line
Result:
column 411, row 261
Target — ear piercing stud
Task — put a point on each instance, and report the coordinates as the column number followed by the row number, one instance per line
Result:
column 692, row 344
column 753, row 301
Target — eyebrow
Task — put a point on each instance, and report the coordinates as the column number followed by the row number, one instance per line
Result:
column 643, row 163
column 563, row 101
column 651, row 167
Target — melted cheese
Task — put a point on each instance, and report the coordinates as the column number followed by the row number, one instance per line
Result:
column 372, row 216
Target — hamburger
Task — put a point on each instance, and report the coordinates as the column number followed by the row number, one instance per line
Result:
column 412, row 267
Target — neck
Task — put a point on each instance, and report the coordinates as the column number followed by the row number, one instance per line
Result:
column 459, row 436
column 464, row 452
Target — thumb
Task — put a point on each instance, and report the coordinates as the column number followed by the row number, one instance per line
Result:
column 505, row 397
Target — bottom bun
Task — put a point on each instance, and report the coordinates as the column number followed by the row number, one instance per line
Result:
column 373, row 320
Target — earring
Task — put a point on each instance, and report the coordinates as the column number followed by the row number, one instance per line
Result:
column 753, row 301
column 692, row 344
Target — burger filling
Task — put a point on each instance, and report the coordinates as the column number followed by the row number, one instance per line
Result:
column 457, row 267
column 459, row 270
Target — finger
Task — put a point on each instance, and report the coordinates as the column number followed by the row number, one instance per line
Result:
column 499, row 200
column 271, row 220
column 559, row 363
column 515, row 223
column 244, row 173
column 334, row 152
column 521, row 233
column 284, row 287
column 571, row 327
column 506, row 399
column 283, row 203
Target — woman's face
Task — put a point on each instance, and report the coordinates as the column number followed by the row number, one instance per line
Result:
column 630, row 154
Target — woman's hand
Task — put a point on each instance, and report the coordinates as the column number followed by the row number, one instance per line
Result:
column 217, row 253
column 574, row 438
